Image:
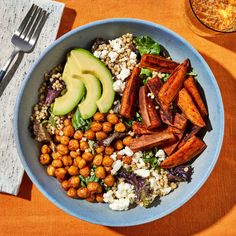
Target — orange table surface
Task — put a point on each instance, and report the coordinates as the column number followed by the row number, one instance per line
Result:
column 212, row 210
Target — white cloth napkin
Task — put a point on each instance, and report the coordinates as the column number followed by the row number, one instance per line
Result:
column 11, row 14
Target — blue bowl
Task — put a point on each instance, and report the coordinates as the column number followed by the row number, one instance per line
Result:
column 28, row 149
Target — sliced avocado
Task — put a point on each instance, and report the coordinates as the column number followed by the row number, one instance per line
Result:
column 75, row 91
column 88, row 106
column 89, row 64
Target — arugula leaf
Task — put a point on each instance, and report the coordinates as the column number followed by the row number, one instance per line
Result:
column 149, row 157
column 79, row 123
column 146, row 45
column 145, row 74
column 138, row 117
column 165, row 78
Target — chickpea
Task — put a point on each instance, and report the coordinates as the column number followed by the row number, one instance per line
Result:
column 126, row 140
column 44, row 159
column 118, row 145
column 82, row 164
column 72, row 193
column 73, row 145
column 112, row 118
column 83, row 192
column 91, row 198
column 96, row 126
column 100, row 135
column 99, row 149
column 74, row 154
column 62, row 149
column 64, row 140
column 100, row 172
column 57, row 131
column 99, row 189
column 51, row 170
column 67, row 122
column 56, row 156
column 85, row 171
column 74, row 181
column 107, row 127
column 93, row 187
column 108, row 169
column 127, row 160
column 97, row 161
column 87, row 156
column 73, row 170
column 109, row 180
column 109, row 150
column 99, row 197
column 57, row 138
column 89, row 134
column 67, row 160
column 98, row 116
column 57, row 163
column 107, row 161
column 83, row 145
column 77, row 160
column 68, row 131
column 45, row 149
column 65, row 185
column 119, row 157
column 78, row 135
column 120, row 127
column 60, row 173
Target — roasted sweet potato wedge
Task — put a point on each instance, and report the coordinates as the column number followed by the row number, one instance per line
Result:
column 148, row 111
column 151, row 140
column 191, row 87
column 171, row 87
column 158, row 63
column 188, row 151
column 130, row 97
column 180, row 122
column 194, row 130
column 186, row 104
column 154, row 85
column 170, row 148
column 140, row 128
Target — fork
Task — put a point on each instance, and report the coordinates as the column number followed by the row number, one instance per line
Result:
column 26, row 36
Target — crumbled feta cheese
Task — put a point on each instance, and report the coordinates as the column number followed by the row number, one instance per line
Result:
column 118, row 86
column 142, row 172
column 120, row 204
column 113, row 56
column 165, row 191
column 124, row 73
column 126, row 151
column 117, row 45
column 97, row 54
column 113, row 156
column 103, row 54
column 161, row 155
column 108, row 196
column 151, row 95
column 125, row 190
column 116, row 166
column 132, row 57
column 131, row 133
column 84, row 139
column 156, row 107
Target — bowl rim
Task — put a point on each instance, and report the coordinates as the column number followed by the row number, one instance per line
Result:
column 190, row 194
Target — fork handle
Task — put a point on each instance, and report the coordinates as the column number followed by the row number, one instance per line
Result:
column 8, row 63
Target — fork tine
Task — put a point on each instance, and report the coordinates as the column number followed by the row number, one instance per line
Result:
column 37, row 31
column 25, row 20
column 34, row 25
column 30, row 22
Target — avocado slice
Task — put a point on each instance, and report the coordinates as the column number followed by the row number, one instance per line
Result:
column 88, row 106
column 75, row 91
column 88, row 64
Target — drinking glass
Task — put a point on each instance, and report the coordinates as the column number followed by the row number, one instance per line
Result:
column 211, row 17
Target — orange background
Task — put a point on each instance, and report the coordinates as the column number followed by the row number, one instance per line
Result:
column 212, row 210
